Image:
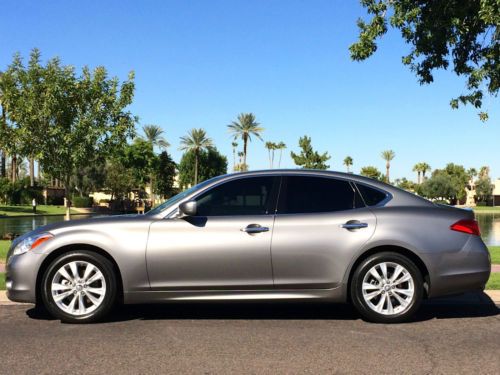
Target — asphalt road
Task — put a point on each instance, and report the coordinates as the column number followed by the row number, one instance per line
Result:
column 447, row 337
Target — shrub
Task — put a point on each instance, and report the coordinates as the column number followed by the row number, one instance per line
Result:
column 82, row 201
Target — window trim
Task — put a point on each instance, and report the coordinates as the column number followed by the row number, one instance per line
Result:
column 273, row 196
column 284, row 187
column 388, row 196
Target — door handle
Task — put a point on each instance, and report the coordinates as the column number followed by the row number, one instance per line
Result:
column 354, row 224
column 254, row 228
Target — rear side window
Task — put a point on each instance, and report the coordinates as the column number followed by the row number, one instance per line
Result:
column 370, row 195
column 304, row 194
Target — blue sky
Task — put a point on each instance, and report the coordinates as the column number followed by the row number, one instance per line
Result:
column 200, row 63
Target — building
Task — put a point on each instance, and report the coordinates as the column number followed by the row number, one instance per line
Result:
column 496, row 193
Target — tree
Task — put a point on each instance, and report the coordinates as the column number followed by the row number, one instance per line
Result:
column 448, row 183
column 154, row 135
column 372, row 172
column 245, row 127
column 234, row 145
column 308, row 158
column 196, row 141
column 140, row 159
column 119, row 179
column 281, row 146
column 211, row 164
column 348, row 163
column 388, row 155
column 441, row 33
column 424, row 167
column 484, row 187
column 405, row 184
column 3, row 128
column 165, row 175
column 418, row 168
column 87, row 118
column 271, row 146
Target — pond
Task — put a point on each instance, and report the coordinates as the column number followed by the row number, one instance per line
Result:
column 488, row 223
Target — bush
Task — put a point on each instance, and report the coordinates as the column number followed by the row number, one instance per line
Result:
column 19, row 192
column 481, row 204
column 82, row 201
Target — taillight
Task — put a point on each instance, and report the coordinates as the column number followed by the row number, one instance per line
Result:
column 466, row 226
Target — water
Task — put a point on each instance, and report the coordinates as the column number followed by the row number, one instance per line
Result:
column 488, row 223
column 21, row 225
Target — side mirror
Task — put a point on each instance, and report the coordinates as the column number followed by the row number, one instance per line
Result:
column 187, row 209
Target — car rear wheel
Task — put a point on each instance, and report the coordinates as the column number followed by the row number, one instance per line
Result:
column 79, row 287
column 387, row 288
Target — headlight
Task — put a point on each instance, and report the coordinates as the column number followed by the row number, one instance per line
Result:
column 31, row 242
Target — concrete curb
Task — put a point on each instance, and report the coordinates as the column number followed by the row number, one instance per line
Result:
column 468, row 299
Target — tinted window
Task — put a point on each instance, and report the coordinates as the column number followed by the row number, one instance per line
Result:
column 247, row 196
column 316, row 194
column 371, row 196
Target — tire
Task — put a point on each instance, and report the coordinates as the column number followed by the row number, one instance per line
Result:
column 387, row 302
column 86, row 298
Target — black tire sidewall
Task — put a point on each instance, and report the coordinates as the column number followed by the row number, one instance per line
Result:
column 357, row 294
column 95, row 259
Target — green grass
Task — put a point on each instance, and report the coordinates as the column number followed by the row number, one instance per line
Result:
column 494, row 282
column 2, row 281
column 487, row 210
column 28, row 210
column 4, row 246
column 495, row 254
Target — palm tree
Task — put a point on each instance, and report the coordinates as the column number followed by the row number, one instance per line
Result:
column 196, row 141
column 154, row 135
column 418, row 168
column 235, row 146
column 280, row 146
column 245, row 128
column 388, row 155
column 424, row 168
column 270, row 147
column 348, row 163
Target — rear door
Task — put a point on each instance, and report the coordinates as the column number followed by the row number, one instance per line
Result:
column 321, row 223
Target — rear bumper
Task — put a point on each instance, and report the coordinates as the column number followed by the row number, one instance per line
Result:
column 460, row 271
column 21, row 276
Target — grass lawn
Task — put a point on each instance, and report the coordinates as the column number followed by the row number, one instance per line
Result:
column 2, row 281
column 495, row 254
column 494, row 282
column 4, row 246
column 487, row 210
column 28, row 210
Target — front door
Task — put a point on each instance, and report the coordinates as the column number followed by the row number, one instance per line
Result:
column 227, row 245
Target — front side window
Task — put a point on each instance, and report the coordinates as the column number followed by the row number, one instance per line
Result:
column 304, row 194
column 245, row 196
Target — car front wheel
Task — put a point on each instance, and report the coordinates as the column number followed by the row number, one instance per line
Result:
column 79, row 287
column 387, row 288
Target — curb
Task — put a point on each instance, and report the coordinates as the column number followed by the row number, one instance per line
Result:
column 494, row 295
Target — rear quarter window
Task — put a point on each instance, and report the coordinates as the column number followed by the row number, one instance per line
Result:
column 370, row 195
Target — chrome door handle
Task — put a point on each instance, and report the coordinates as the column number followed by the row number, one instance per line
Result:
column 254, row 228
column 354, row 225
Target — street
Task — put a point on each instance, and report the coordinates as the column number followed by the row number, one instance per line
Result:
column 448, row 336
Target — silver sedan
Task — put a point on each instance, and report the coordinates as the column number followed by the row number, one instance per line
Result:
column 268, row 235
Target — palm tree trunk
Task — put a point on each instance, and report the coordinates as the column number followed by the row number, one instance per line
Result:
column 234, row 159
column 32, row 171
column 39, row 171
column 279, row 161
column 68, row 199
column 245, row 140
column 272, row 158
column 387, row 167
column 195, row 167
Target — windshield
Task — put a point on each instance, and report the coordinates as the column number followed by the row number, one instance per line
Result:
column 176, row 198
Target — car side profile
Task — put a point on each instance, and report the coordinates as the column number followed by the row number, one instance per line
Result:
column 265, row 235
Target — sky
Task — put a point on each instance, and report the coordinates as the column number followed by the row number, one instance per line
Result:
column 200, row 63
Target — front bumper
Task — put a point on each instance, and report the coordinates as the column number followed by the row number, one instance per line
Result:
column 21, row 276
column 460, row 271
